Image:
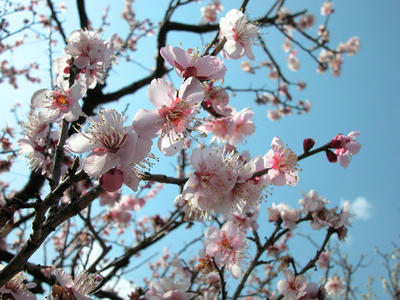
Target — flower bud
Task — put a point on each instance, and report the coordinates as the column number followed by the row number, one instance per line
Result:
column 112, row 180
column 308, row 143
column 332, row 157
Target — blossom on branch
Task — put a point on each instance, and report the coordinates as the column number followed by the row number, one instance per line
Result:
column 190, row 64
column 174, row 115
column 62, row 102
column 225, row 245
column 112, row 145
column 239, row 34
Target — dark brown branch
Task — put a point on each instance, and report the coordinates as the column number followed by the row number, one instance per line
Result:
column 55, row 18
column 82, row 14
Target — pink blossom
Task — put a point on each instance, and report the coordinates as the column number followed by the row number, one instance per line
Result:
column 173, row 115
column 349, row 147
column 217, row 98
column 334, row 286
column 351, row 47
column 209, row 12
column 247, row 67
column 239, row 34
column 327, row 8
column 292, row 61
column 307, row 21
column 207, row 189
column 312, row 202
column 167, row 289
column 232, row 129
column 282, row 211
column 282, row 162
column 90, row 54
column 83, row 285
column 243, row 125
column 323, row 260
column 188, row 64
column 62, row 102
column 292, row 285
column 111, row 145
column 226, row 246
column 17, row 289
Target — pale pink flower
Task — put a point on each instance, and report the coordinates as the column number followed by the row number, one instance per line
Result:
column 273, row 115
column 312, row 202
column 327, row 8
column 247, row 67
column 62, row 102
column 282, row 162
column 90, row 54
column 111, row 145
column 292, row 61
column 306, row 21
column 226, row 246
column 243, row 125
column 287, row 45
column 351, row 47
column 82, row 286
column 209, row 12
column 167, row 289
column 282, row 211
column 207, row 189
column 17, row 289
column 323, row 34
column 349, row 147
column 247, row 191
column 239, row 34
column 292, row 285
column 323, row 260
column 334, row 286
column 173, row 115
column 221, row 128
column 217, row 98
column 189, row 64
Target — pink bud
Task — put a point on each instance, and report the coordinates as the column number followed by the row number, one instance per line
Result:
column 332, row 157
column 308, row 143
column 112, row 180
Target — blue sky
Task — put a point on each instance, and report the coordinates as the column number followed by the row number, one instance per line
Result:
column 364, row 97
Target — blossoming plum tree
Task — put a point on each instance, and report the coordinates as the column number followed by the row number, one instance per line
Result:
column 81, row 155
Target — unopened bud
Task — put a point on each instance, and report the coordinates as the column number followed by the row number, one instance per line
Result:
column 332, row 157
column 112, row 180
column 308, row 143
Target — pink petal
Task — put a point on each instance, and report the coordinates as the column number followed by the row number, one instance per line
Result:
column 98, row 163
column 191, row 91
column 82, row 62
column 170, row 145
column 63, row 278
column 161, row 92
column 40, row 98
column 77, row 91
column 49, row 114
column 78, row 143
column 147, row 123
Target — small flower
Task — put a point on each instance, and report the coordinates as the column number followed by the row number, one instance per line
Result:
column 80, row 288
column 239, row 34
column 111, row 145
column 173, row 115
column 225, row 245
column 62, row 102
column 334, row 286
column 188, row 64
column 17, row 288
column 292, row 285
column 282, row 162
